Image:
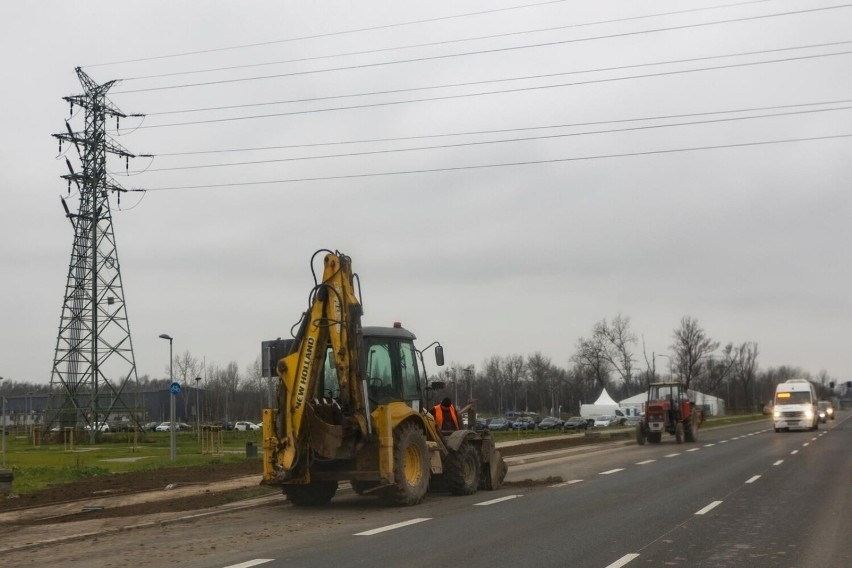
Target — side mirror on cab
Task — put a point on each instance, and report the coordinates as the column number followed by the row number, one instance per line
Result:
column 439, row 355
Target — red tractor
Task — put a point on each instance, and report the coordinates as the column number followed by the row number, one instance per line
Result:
column 669, row 410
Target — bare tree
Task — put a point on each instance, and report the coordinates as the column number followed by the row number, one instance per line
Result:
column 691, row 348
column 592, row 360
column 746, row 370
column 617, row 341
column 717, row 372
column 541, row 376
column 515, row 372
column 493, row 372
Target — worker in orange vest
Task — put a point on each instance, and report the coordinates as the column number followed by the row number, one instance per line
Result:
column 445, row 416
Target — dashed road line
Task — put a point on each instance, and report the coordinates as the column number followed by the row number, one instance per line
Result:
column 645, row 462
column 564, row 483
column 616, row 470
column 623, row 561
column 723, row 442
column 250, row 563
column 393, row 527
column 779, row 462
column 708, row 508
column 752, row 479
column 499, row 500
column 709, row 445
column 805, row 444
column 693, row 450
column 671, row 456
column 794, row 452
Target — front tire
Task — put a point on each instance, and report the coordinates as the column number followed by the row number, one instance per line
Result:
column 679, row 432
column 640, row 435
column 411, row 469
column 462, row 471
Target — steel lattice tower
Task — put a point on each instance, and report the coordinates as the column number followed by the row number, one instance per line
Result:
column 94, row 352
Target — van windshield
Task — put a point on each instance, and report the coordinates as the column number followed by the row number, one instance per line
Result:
column 799, row 397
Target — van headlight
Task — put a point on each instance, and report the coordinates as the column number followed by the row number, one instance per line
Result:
column 776, row 414
column 809, row 413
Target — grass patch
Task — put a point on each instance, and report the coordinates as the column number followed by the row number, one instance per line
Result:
column 36, row 467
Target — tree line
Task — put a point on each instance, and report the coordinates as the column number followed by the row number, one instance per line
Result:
column 611, row 357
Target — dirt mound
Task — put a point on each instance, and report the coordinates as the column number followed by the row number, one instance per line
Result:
column 119, row 483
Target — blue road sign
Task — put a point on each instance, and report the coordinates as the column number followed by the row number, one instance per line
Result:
column 175, row 388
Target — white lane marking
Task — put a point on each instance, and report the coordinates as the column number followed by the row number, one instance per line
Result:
column 813, row 439
column 500, row 500
column 645, row 462
column 693, row 450
column 249, row 563
column 611, row 471
column 393, row 527
column 564, row 483
column 753, row 479
column 779, row 462
column 794, row 452
column 723, row 442
column 709, row 445
column 709, row 508
column 623, row 561
column 805, row 444
column 671, row 456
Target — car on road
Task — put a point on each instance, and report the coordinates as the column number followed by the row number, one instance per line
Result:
column 244, row 426
column 575, row 423
column 150, row 426
column 604, row 421
column 102, row 427
column 498, row 424
column 550, row 423
column 825, row 410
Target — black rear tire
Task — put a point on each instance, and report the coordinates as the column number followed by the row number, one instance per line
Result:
column 679, row 432
column 640, row 435
column 462, row 470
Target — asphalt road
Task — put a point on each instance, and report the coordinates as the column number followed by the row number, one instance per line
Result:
column 741, row 496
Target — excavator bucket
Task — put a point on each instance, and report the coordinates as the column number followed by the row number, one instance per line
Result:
column 493, row 471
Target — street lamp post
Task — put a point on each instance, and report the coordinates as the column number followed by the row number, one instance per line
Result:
column 3, row 434
column 172, row 437
column 655, row 355
column 197, row 409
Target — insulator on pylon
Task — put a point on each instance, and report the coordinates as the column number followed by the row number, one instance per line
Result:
column 69, row 187
column 71, row 110
column 117, row 118
column 60, row 145
column 127, row 164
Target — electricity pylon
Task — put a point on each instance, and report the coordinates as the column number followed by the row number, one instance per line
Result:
column 94, row 352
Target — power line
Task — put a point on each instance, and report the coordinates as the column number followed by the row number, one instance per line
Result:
column 486, row 142
column 484, row 52
column 500, row 131
column 504, row 80
column 409, row 23
column 507, row 164
column 439, row 43
column 496, row 92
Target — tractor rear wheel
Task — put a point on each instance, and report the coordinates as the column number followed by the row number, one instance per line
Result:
column 411, row 469
column 690, row 433
column 640, row 435
column 461, row 470
column 679, row 432
column 311, row 494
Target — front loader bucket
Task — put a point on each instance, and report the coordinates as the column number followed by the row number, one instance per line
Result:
column 493, row 471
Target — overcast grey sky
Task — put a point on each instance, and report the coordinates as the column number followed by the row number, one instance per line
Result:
column 575, row 211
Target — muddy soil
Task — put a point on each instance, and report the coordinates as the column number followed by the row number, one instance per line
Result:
column 155, row 480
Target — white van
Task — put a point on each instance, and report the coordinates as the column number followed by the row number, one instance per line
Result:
column 795, row 406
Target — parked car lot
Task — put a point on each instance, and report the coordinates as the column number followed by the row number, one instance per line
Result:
column 523, row 423
column 498, row 424
column 549, row 423
column 575, row 423
column 604, row 421
column 179, row 426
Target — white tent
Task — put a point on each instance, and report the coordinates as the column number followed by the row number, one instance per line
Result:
column 605, row 400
